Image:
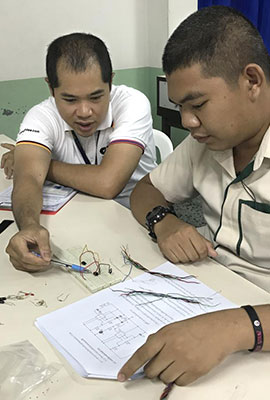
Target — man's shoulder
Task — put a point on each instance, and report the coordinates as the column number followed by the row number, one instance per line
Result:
column 126, row 93
column 47, row 105
column 195, row 149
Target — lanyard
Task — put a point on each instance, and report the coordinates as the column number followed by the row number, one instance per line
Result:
column 81, row 150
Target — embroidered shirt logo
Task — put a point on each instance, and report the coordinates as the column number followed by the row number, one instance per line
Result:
column 28, row 130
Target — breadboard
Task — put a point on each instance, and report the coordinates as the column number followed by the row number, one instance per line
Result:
column 92, row 282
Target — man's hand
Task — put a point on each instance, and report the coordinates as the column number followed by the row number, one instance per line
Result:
column 181, row 242
column 183, row 351
column 23, row 246
column 7, row 160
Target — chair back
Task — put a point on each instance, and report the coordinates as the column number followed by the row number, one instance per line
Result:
column 163, row 143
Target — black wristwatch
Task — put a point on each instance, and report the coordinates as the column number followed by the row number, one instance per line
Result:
column 155, row 216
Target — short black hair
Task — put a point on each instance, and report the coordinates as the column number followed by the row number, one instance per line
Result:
column 78, row 50
column 221, row 39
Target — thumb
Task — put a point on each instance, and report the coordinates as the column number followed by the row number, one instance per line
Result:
column 211, row 251
column 8, row 146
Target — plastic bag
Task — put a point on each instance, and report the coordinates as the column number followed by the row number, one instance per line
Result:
column 22, row 368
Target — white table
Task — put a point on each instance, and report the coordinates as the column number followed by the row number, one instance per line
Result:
column 105, row 226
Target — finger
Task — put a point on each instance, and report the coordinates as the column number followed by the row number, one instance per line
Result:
column 157, row 365
column 26, row 267
column 199, row 244
column 8, row 146
column 171, row 374
column 43, row 243
column 186, row 378
column 210, row 249
column 139, row 358
column 8, row 171
column 3, row 160
column 178, row 254
column 190, row 251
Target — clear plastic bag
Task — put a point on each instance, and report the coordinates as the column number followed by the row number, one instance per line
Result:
column 22, row 368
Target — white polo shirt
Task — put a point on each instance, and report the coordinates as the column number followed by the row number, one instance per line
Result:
column 236, row 208
column 128, row 120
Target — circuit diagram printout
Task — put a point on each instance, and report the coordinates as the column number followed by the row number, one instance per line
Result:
column 114, row 329
column 99, row 333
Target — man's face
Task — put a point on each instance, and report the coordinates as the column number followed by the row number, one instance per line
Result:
column 82, row 98
column 215, row 113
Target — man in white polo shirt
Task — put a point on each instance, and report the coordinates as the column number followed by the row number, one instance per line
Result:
column 90, row 135
column 218, row 74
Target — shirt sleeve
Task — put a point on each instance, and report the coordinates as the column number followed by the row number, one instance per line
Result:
column 37, row 128
column 174, row 176
column 132, row 120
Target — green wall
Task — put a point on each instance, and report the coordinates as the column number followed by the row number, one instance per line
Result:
column 16, row 97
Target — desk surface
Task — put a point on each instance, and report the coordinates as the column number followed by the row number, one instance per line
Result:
column 105, row 226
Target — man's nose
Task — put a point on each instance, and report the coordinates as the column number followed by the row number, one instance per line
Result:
column 189, row 120
column 84, row 110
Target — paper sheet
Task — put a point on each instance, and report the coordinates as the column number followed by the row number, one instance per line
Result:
column 98, row 334
column 54, row 196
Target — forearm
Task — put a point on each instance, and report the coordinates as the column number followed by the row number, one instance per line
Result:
column 26, row 203
column 90, row 179
column 144, row 198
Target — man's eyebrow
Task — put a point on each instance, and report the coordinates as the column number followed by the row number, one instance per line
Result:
column 189, row 97
column 95, row 93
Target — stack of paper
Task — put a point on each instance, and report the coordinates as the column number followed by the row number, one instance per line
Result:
column 98, row 334
column 54, row 197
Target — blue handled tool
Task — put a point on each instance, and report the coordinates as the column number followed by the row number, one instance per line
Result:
column 74, row 267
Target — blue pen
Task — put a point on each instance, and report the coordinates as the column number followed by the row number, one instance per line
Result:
column 74, row 267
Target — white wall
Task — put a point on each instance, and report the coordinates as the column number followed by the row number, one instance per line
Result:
column 157, row 30
column 178, row 10
column 135, row 31
column 28, row 26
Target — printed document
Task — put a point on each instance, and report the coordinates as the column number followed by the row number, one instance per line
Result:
column 54, row 197
column 99, row 333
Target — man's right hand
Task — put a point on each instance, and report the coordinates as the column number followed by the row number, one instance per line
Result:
column 26, row 244
column 7, row 160
column 181, row 242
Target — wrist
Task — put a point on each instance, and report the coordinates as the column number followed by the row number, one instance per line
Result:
column 155, row 216
column 164, row 224
column 241, row 336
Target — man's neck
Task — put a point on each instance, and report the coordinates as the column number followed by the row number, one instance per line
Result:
column 245, row 152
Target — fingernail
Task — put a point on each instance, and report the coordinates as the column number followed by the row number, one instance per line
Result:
column 121, row 377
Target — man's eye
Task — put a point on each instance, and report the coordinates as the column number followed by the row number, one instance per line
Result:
column 198, row 106
column 95, row 98
column 69, row 100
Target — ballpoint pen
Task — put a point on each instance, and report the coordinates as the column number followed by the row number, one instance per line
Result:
column 73, row 267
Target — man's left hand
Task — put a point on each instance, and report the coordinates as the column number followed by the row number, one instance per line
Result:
column 7, row 160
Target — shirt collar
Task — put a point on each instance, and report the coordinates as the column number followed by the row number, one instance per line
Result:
column 108, row 121
column 264, row 150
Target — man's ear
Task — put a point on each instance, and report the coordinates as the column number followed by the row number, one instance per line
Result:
column 50, row 88
column 254, row 78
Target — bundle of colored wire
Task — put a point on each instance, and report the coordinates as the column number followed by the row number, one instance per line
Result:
column 194, row 300
column 166, row 391
column 129, row 260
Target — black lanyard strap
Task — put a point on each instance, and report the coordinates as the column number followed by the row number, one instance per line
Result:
column 80, row 148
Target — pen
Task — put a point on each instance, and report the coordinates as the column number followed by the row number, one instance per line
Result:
column 73, row 267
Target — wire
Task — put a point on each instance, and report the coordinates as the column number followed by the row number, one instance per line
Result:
column 166, row 391
column 136, row 264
